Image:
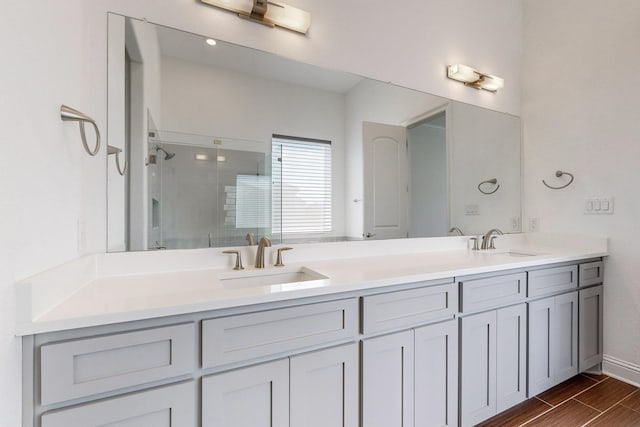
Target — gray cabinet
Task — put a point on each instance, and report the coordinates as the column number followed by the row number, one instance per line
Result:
column 313, row 389
column 436, row 375
column 565, row 337
column 478, row 368
column 166, row 406
column 324, row 388
column 78, row 368
column 553, row 341
column 387, row 380
column 257, row 396
column 493, row 360
column 511, row 356
column 590, row 327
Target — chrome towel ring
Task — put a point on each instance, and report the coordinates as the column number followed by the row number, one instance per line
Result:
column 558, row 175
column 69, row 114
column 493, row 181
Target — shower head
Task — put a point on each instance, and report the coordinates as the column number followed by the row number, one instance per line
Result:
column 167, row 155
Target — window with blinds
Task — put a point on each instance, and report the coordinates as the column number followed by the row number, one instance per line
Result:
column 301, row 186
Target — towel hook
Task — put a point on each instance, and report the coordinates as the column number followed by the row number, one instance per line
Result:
column 115, row 150
column 493, row 181
column 70, row 114
column 558, row 175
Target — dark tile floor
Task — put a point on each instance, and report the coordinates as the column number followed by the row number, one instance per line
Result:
column 584, row 400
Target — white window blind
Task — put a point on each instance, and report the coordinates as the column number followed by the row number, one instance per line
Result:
column 252, row 201
column 301, row 173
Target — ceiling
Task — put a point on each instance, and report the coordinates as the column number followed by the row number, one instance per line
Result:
column 193, row 48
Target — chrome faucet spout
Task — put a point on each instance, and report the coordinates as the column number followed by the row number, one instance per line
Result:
column 264, row 242
column 487, row 237
column 456, row 230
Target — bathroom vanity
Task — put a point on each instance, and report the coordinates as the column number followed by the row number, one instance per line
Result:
column 417, row 338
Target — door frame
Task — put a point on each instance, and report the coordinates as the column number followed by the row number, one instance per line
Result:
column 417, row 121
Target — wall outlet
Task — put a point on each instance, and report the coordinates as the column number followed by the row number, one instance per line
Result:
column 471, row 210
column 515, row 224
column 534, row 224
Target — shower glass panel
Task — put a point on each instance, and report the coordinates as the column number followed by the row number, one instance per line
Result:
column 207, row 196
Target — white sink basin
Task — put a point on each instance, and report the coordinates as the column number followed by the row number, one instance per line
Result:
column 292, row 278
column 513, row 253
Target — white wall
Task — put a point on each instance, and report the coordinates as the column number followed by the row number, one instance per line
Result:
column 484, row 145
column 58, row 55
column 228, row 104
column 586, row 122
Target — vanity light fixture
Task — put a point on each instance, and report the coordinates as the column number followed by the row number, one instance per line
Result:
column 211, row 42
column 471, row 77
column 268, row 13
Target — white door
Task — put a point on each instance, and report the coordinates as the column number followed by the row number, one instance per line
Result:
column 385, row 181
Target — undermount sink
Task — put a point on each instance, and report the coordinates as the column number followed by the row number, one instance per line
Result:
column 515, row 253
column 270, row 277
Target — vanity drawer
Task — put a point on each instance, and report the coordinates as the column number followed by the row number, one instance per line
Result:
column 591, row 273
column 408, row 308
column 492, row 292
column 248, row 336
column 83, row 367
column 552, row 280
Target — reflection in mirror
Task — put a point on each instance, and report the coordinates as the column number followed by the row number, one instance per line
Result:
column 224, row 140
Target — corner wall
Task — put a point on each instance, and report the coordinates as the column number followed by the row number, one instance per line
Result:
column 580, row 113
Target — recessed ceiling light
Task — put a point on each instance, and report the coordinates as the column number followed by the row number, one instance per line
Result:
column 211, row 42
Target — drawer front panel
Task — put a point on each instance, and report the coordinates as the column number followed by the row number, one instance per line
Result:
column 493, row 292
column 79, row 368
column 552, row 280
column 591, row 273
column 165, row 406
column 248, row 336
column 408, row 308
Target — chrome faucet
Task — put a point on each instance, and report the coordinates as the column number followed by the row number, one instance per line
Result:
column 264, row 242
column 457, row 231
column 487, row 238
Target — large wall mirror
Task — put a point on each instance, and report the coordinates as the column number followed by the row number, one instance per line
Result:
column 222, row 140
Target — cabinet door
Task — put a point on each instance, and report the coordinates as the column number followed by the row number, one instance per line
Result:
column 565, row 337
column 478, row 368
column 511, row 360
column 540, row 367
column 590, row 315
column 324, row 388
column 166, row 406
column 436, row 375
column 387, row 380
column 257, row 396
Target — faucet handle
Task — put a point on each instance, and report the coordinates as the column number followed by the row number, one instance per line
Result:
column 475, row 242
column 238, row 265
column 279, row 262
column 491, row 242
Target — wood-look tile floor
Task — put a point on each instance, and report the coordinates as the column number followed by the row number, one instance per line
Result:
column 584, row 400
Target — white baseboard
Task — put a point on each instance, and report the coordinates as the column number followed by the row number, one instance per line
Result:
column 621, row 370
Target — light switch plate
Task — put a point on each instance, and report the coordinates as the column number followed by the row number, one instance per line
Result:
column 598, row 206
column 471, row 210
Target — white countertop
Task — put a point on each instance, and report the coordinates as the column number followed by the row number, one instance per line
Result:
column 104, row 289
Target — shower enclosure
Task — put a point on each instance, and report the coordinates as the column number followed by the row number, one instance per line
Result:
column 206, row 196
